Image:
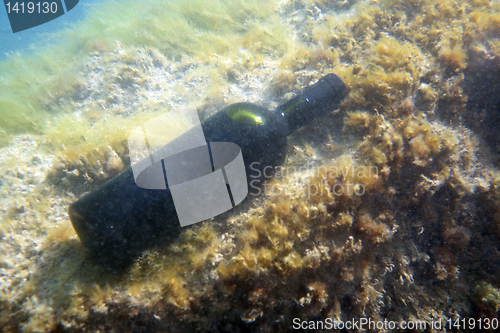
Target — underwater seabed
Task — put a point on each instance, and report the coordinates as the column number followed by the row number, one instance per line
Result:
column 417, row 141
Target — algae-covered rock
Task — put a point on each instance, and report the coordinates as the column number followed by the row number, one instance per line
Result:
column 388, row 209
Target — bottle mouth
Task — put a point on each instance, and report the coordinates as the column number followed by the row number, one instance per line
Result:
column 313, row 102
column 338, row 85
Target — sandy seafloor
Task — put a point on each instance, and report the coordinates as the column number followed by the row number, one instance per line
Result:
column 422, row 243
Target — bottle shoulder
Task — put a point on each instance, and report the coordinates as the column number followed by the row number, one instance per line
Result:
column 244, row 119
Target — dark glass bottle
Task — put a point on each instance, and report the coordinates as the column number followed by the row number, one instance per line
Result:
column 118, row 221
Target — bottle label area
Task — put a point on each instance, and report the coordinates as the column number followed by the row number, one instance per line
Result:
column 204, row 180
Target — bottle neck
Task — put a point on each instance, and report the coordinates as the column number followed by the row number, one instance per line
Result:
column 315, row 101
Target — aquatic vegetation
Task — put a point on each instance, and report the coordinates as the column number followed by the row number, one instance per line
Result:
column 489, row 295
column 394, row 215
column 173, row 28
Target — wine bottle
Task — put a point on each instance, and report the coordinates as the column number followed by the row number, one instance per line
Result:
column 120, row 220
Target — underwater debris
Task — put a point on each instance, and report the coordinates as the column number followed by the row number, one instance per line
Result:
column 122, row 218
